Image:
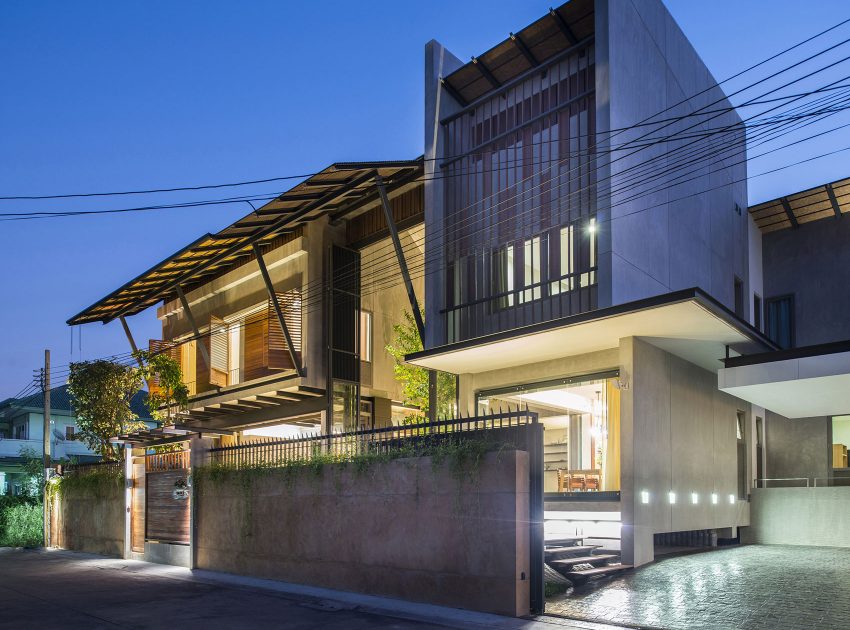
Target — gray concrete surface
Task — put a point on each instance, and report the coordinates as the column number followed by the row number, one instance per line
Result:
column 738, row 588
column 799, row 516
column 61, row 589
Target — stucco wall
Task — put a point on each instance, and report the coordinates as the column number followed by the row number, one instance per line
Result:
column 656, row 237
column 799, row 516
column 810, row 262
column 84, row 521
column 403, row 529
column 677, row 434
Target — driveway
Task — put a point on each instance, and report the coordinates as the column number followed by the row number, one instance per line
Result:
column 753, row 587
column 59, row 589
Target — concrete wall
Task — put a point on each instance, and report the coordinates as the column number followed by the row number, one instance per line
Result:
column 810, row 262
column 670, row 237
column 678, row 434
column 799, row 516
column 84, row 521
column 402, row 529
column 798, row 447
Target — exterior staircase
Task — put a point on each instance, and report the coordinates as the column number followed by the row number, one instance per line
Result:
column 579, row 562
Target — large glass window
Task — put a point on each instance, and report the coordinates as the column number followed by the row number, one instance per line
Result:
column 531, row 269
column 840, row 441
column 581, row 420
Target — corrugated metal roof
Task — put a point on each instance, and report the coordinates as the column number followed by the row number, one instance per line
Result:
column 555, row 32
column 813, row 204
column 61, row 401
column 334, row 190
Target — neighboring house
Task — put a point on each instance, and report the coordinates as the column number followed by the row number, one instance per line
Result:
column 551, row 278
column 22, row 429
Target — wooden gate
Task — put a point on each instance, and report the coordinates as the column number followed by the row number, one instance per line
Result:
column 168, row 504
column 137, row 510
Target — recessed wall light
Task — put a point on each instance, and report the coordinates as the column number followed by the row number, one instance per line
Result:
column 732, row 499
column 694, row 498
column 644, row 496
column 672, row 497
column 714, row 498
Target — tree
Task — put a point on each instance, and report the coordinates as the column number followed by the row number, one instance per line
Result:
column 102, row 392
column 165, row 381
column 414, row 379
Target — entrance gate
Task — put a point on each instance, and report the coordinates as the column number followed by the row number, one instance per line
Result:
column 167, row 510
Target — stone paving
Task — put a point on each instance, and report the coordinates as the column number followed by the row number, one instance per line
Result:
column 752, row 587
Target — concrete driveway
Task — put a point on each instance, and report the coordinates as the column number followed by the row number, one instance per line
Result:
column 59, row 589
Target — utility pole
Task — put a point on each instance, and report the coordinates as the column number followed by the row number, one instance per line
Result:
column 45, row 383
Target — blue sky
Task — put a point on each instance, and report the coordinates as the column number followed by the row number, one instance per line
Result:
column 112, row 96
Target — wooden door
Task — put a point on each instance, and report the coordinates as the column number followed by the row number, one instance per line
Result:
column 137, row 513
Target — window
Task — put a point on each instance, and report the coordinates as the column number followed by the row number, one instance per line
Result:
column 366, row 336
column 780, row 320
column 564, row 262
column 531, row 269
column 840, row 440
column 757, row 311
column 589, row 262
column 739, row 297
column 503, row 276
column 70, row 433
column 741, row 431
column 20, row 431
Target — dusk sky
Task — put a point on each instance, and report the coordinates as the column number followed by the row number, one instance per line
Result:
column 103, row 96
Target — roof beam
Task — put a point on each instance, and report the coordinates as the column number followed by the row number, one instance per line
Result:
column 526, row 52
column 565, row 28
column 449, row 88
column 788, row 212
column 835, row 207
column 485, row 72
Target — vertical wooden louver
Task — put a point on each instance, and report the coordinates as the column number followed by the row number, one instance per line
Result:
column 279, row 357
column 218, row 345
column 169, row 348
column 256, row 350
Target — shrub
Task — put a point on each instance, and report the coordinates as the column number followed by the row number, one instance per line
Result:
column 20, row 522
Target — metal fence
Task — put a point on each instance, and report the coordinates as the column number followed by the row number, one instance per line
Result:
column 99, row 467
column 278, row 452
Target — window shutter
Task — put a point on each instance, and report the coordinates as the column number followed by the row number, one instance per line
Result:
column 162, row 347
column 255, row 352
column 218, row 352
column 278, row 354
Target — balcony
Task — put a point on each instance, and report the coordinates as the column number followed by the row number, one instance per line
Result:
column 12, row 448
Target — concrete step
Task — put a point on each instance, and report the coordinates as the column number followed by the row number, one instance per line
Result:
column 582, row 575
column 563, row 552
column 568, row 562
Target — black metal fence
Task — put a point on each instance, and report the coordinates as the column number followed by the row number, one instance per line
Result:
column 279, row 452
column 90, row 467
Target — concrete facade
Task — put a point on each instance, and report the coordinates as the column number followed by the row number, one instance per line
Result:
column 817, row 517
column 797, row 448
column 656, row 237
column 406, row 529
column 809, row 263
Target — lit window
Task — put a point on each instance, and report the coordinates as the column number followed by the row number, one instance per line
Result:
column 503, row 276
column 589, row 277
column 365, row 336
column 565, row 262
column 531, row 269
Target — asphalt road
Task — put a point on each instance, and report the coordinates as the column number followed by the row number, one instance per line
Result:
column 68, row 591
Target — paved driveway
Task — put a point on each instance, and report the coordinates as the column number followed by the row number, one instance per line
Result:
column 752, row 587
column 70, row 591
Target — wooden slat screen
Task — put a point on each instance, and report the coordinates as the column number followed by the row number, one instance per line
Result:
column 278, row 354
column 256, row 348
column 137, row 514
column 167, row 517
column 218, row 352
column 162, row 347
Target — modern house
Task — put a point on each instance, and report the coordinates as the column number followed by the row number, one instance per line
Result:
column 22, row 433
column 616, row 290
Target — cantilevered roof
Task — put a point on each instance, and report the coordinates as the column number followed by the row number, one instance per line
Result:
column 339, row 189
column 821, row 202
column 560, row 29
column 688, row 323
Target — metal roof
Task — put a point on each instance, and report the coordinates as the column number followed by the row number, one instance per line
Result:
column 790, row 211
column 337, row 190
column 61, row 401
column 563, row 28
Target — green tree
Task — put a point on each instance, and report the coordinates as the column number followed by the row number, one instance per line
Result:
column 165, row 380
column 414, row 379
column 101, row 392
column 34, row 469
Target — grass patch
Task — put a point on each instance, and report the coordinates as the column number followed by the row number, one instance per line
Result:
column 21, row 522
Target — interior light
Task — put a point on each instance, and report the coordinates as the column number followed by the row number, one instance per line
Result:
column 592, row 226
column 694, row 498
column 672, row 497
column 732, row 499
column 644, row 496
column 714, row 498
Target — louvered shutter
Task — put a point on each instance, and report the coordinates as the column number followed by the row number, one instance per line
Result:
column 168, row 348
column 278, row 354
column 218, row 352
column 255, row 352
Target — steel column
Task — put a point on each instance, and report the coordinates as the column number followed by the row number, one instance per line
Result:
column 273, row 297
column 194, row 325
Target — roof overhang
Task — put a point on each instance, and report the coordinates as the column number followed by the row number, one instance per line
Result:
column 821, row 202
column 799, row 383
column 337, row 191
column 689, row 324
